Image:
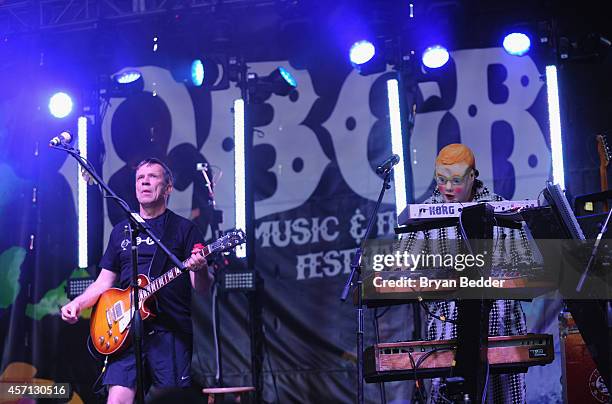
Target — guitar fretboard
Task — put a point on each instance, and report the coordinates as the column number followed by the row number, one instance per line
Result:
column 173, row 273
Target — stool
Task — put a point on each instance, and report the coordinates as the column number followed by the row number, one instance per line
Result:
column 216, row 394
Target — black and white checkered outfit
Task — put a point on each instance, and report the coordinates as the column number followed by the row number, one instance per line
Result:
column 506, row 316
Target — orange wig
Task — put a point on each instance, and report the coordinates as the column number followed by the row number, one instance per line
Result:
column 456, row 153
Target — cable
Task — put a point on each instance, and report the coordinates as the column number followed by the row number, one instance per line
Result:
column 381, row 385
column 539, row 195
column 215, row 336
column 416, row 379
column 270, row 367
column 431, row 314
column 484, row 390
column 463, row 233
column 121, row 201
column 97, row 390
column 216, row 177
column 92, row 168
column 429, row 353
column 415, row 367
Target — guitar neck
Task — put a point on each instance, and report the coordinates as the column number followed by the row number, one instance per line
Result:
column 603, row 175
column 174, row 273
column 605, row 154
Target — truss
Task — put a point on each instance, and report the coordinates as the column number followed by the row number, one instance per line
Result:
column 27, row 16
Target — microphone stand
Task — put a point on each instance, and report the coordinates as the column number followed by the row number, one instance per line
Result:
column 214, row 229
column 212, row 204
column 136, row 224
column 583, row 278
column 592, row 259
column 355, row 279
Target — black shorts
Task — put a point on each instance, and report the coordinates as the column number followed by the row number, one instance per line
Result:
column 166, row 357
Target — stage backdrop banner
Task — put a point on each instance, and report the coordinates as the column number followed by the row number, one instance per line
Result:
column 315, row 154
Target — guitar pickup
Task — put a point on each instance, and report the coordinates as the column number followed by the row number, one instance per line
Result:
column 109, row 317
column 125, row 320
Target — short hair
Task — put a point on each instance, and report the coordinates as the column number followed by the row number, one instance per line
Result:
column 456, row 153
column 168, row 177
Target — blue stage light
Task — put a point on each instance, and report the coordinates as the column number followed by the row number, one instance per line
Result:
column 60, row 105
column 197, row 72
column 288, row 77
column 517, row 43
column 127, row 77
column 361, row 52
column 435, row 56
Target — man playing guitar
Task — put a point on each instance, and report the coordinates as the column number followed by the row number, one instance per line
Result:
column 167, row 339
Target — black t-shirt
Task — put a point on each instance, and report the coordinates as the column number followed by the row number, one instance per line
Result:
column 173, row 306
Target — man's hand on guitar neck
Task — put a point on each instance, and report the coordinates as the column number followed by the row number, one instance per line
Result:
column 201, row 278
column 197, row 261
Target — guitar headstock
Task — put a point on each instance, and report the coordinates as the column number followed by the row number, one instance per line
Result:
column 604, row 150
column 230, row 240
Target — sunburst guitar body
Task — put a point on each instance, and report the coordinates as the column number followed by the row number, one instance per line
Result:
column 111, row 317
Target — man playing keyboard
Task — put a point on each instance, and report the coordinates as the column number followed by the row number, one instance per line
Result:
column 457, row 181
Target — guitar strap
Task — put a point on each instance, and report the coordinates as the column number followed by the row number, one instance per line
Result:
column 160, row 260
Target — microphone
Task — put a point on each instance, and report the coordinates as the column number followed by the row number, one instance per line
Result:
column 62, row 138
column 387, row 164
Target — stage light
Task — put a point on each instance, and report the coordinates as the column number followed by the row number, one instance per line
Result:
column 435, row 56
column 234, row 281
column 554, row 118
column 60, row 105
column 517, row 43
column 397, row 146
column 368, row 58
column 197, row 72
column 239, row 171
column 122, row 84
column 279, row 82
column 82, row 195
column 288, row 78
column 76, row 286
column 127, row 77
column 208, row 72
column 361, row 52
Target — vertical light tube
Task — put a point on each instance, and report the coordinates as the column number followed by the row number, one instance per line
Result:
column 554, row 119
column 239, row 171
column 82, row 195
column 397, row 146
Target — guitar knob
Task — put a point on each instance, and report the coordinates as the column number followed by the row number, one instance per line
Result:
column 110, row 332
column 107, row 345
column 101, row 340
column 116, row 339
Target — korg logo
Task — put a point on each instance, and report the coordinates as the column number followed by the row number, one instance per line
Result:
column 441, row 210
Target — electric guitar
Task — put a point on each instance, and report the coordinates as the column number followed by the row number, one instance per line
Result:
column 111, row 317
column 605, row 154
